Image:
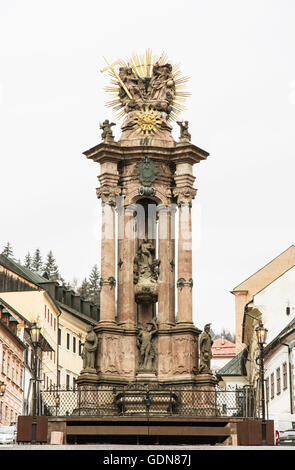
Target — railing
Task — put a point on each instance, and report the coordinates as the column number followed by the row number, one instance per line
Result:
column 218, row 403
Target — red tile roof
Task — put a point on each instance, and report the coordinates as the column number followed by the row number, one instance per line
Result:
column 227, row 349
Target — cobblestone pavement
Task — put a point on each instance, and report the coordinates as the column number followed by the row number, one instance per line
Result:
column 159, row 448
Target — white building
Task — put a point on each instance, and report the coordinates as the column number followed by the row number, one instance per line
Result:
column 274, row 306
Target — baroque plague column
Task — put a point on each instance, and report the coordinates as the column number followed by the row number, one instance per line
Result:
column 146, row 332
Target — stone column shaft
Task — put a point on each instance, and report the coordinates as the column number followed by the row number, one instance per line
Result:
column 184, row 281
column 107, row 295
column 126, row 306
column 165, row 300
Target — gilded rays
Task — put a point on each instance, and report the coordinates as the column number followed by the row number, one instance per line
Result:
column 142, row 66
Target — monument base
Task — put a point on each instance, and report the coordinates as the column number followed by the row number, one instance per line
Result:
column 206, row 396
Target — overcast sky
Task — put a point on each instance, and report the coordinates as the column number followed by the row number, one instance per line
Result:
column 239, row 56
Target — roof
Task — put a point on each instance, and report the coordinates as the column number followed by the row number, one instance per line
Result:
column 269, row 272
column 3, row 325
column 44, row 283
column 77, row 314
column 235, row 366
column 221, row 347
column 22, row 271
column 290, row 328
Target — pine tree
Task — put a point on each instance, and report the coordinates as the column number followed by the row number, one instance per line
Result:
column 73, row 285
column 28, row 261
column 8, row 250
column 50, row 267
column 83, row 290
column 37, row 261
column 94, row 285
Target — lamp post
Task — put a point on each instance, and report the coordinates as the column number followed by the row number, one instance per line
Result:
column 261, row 333
column 35, row 337
column 2, row 388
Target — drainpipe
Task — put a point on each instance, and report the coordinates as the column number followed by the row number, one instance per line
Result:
column 290, row 376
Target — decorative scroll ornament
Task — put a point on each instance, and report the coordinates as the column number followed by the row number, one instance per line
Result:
column 146, row 171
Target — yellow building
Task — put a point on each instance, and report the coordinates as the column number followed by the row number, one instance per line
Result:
column 62, row 316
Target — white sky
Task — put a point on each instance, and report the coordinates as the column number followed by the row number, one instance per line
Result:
column 240, row 59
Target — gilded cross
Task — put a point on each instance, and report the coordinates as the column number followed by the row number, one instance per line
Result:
column 111, row 67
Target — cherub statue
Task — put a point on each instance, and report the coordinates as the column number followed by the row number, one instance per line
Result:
column 107, row 133
column 184, row 133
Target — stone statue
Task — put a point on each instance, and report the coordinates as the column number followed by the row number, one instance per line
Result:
column 148, row 94
column 145, row 264
column 160, row 82
column 132, row 82
column 205, row 350
column 89, row 349
column 145, row 345
column 184, row 133
column 107, row 133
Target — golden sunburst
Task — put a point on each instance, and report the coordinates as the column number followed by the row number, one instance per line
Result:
column 147, row 120
column 142, row 66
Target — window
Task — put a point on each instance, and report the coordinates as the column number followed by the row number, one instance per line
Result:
column 3, row 362
column 8, row 366
column 272, row 386
column 285, row 376
column 68, row 341
column 278, row 377
column 21, row 377
column 58, row 378
column 68, row 382
column 59, row 337
column 74, row 344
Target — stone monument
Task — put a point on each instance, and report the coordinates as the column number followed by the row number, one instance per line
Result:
column 146, row 332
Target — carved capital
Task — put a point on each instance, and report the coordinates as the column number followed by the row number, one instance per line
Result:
column 184, row 195
column 108, row 194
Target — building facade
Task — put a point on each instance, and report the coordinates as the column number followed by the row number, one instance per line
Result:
column 63, row 317
column 11, row 366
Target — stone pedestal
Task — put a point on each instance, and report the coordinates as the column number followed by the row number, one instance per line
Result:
column 206, row 396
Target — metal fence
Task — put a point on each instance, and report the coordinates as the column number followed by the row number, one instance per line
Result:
column 237, row 402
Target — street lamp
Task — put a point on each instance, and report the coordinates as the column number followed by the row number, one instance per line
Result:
column 35, row 337
column 261, row 333
column 2, row 388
